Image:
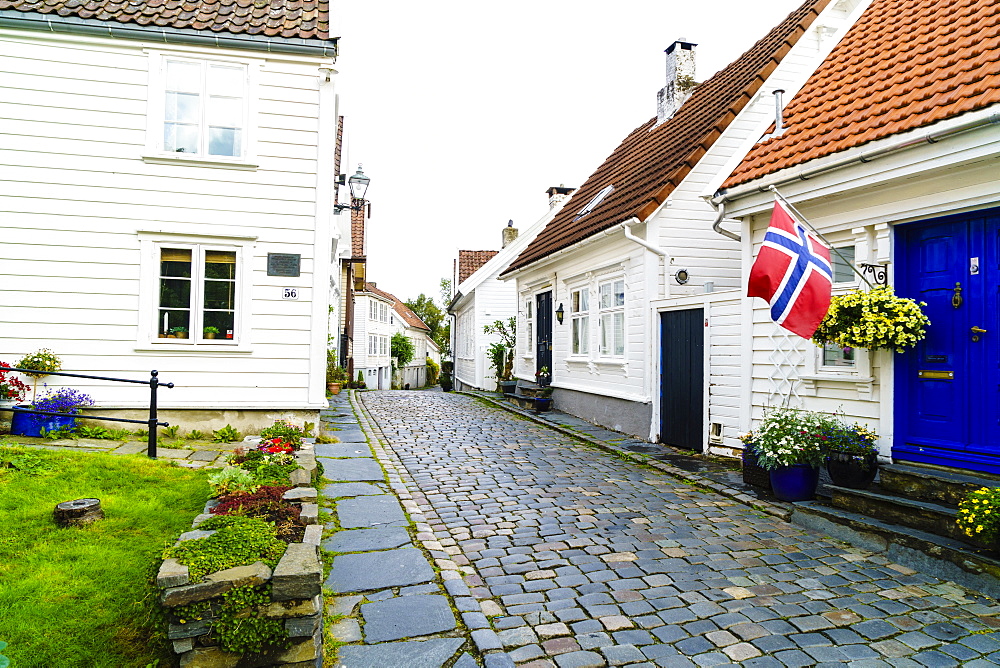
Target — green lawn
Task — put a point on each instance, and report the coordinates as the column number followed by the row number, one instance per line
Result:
column 86, row 596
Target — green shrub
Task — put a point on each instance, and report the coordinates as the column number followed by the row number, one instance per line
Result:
column 401, row 347
column 237, row 541
column 232, row 479
column 225, row 435
column 288, row 432
column 433, row 371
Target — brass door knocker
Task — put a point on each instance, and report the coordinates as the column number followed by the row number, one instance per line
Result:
column 956, row 299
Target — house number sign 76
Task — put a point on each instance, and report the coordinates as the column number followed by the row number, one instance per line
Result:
column 290, row 293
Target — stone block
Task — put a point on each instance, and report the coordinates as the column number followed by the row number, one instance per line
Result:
column 192, row 593
column 255, row 574
column 367, row 540
column 172, row 574
column 379, row 570
column 299, row 627
column 194, row 535
column 298, row 575
column 209, row 657
column 406, row 617
column 303, row 650
column 201, row 518
column 412, row 654
column 310, row 513
column 300, row 478
column 183, row 645
column 192, row 629
column 313, row 535
column 307, row 494
column 346, row 630
column 304, row 608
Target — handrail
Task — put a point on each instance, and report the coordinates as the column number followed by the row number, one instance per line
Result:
column 153, row 382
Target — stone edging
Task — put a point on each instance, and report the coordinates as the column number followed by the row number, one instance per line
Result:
column 779, row 510
column 296, row 590
column 464, row 598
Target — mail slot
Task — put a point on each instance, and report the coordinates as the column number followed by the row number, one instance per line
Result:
column 936, row 375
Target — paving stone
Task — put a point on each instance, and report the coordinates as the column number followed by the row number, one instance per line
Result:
column 351, row 470
column 370, row 512
column 378, row 570
column 526, row 653
column 498, row 660
column 518, row 636
column 465, row 661
column 581, row 659
column 340, row 450
column 619, row 655
column 367, row 540
column 412, row 654
column 339, row 489
column 346, row 630
column 406, row 617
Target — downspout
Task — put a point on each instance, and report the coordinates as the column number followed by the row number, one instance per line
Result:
column 717, row 225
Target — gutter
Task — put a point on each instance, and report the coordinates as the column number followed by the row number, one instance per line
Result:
column 71, row 25
column 929, row 137
column 627, row 227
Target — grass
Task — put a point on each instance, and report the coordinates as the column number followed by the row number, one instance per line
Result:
column 85, row 596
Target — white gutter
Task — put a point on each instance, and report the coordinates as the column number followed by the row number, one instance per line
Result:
column 627, row 228
column 982, row 119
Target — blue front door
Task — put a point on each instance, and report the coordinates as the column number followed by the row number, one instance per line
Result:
column 948, row 388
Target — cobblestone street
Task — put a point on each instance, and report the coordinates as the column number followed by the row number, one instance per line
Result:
column 579, row 558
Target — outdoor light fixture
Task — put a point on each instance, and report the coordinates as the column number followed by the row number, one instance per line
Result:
column 681, row 276
column 358, row 183
column 560, row 312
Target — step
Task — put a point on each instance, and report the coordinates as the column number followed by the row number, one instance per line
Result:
column 933, row 555
column 528, row 403
column 940, row 485
column 926, row 516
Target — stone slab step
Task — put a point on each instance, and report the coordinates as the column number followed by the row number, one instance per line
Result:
column 924, row 515
column 938, row 485
column 934, row 555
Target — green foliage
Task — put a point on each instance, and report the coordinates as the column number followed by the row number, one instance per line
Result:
column 194, row 435
column 43, row 360
column 788, row 436
column 225, row 435
column 501, row 353
column 83, row 431
column 171, row 431
column 401, row 347
column 57, row 434
column 323, row 438
column 360, row 382
column 264, row 468
column 433, row 371
column 873, row 319
column 307, row 429
column 334, row 372
column 210, row 330
column 142, row 434
column 27, row 461
column 434, row 318
column 979, row 514
column 232, row 479
column 241, row 626
column 119, row 434
column 290, row 433
column 237, row 541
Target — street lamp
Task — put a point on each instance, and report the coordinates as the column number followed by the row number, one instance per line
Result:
column 358, row 183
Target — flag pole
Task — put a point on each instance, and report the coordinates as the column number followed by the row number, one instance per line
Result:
column 819, row 234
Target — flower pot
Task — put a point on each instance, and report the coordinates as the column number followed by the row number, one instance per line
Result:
column 209, row 335
column 754, row 474
column 333, row 388
column 182, row 335
column 542, row 404
column 26, row 424
column 794, row 483
column 508, row 387
column 852, row 471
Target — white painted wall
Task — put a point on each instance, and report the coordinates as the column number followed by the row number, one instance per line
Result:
column 76, row 196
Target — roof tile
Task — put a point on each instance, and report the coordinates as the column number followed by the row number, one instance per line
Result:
column 905, row 64
column 306, row 19
column 469, row 261
column 652, row 160
column 400, row 307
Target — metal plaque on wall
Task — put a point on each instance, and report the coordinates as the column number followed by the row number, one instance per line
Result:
column 283, row 264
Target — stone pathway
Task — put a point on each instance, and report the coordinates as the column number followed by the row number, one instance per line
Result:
column 399, row 595
column 576, row 558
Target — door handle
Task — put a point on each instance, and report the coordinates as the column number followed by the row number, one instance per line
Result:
column 978, row 330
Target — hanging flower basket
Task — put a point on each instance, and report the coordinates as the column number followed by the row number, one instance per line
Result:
column 873, row 319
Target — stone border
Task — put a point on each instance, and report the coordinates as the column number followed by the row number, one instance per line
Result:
column 296, row 589
column 780, row 510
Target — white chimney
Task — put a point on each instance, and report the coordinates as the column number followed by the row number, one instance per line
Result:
column 680, row 80
column 557, row 194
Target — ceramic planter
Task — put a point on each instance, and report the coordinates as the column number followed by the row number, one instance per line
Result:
column 852, row 471
column 795, row 483
column 26, row 424
column 333, row 388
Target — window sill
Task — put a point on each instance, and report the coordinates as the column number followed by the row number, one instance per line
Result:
column 193, row 348
column 193, row 161
column 863, row 384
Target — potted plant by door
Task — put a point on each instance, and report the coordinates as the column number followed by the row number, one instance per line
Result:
column 501, row 353
column 210, row 332
column 851, row 455
column 12, row 391
column 42, row 362
column 64, row 400
column 336, row 376
column 787, row 445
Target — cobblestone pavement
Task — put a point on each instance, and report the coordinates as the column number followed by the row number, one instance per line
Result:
column 578, row 558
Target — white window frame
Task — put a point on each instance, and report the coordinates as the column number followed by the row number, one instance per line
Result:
column 610, row 311
column 147, row 337
column 155, row 113
column 529, row 326
column 579, row 318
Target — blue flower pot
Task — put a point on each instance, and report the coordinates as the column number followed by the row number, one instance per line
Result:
column 795, row 483
column 25, row 424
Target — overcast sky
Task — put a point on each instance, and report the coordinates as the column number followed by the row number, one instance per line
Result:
column 464, row 113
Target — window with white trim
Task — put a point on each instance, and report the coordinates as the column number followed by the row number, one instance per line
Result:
column 611, row 306
column 529, row 326
column 579, row 309
column 205, row 107
column 843, row 271
column 198, row 293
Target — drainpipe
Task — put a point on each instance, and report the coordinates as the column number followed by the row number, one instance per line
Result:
column 654, row 275
column 717, row 225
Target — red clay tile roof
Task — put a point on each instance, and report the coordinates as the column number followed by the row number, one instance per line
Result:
column 651, row 162
column 904, row 64
column 358, row 233
column 469, row 261
column 404, row 311
column 306, row 19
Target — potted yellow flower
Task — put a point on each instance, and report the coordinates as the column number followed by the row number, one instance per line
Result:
column 979, row 515
column 873, row 319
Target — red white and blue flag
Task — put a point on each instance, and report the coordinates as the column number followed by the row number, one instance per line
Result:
column 793, row 274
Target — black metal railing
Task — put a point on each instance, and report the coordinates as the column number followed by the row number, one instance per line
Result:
column 153, row 384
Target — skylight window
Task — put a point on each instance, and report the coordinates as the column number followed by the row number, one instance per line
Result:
column 592, row 204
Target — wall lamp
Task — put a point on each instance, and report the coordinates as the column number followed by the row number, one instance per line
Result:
column 358, row 183
column 560, row 312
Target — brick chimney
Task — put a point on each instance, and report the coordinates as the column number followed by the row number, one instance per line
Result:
column 680, row 80
column 557, row 194
column 509, row 234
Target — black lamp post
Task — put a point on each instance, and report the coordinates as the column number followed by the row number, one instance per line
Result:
column 358, row 183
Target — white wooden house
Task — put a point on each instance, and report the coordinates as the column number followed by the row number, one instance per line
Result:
column 374, row 325
column 165, row 171
column 482, row 298
column 649, row 297
column 902, row 174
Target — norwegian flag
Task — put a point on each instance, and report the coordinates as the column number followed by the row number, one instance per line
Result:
column 792, row 273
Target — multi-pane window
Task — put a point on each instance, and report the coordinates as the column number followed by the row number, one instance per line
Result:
column 839, row 356
column 842, row 265
column 580, row 320
column 205, row 108
column 197, row 294
column 612, row 317
column 529, row 327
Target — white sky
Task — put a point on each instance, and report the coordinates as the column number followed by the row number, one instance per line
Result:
column 464, row 113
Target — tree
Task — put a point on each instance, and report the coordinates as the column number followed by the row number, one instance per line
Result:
column 446, row 292
column 502, row 353
column 401, row 348
column 434, row 318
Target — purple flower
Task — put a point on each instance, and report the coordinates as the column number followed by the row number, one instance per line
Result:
column 63, row 400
